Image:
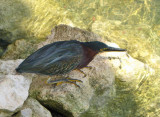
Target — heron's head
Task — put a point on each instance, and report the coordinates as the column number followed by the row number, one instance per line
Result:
column 101, row 47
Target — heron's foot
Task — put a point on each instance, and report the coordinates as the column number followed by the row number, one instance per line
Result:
column 82, row 73
column 65, row 80
column 89, row 67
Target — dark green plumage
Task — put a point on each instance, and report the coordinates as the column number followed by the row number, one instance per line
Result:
column 62, row 57
column 53, row 59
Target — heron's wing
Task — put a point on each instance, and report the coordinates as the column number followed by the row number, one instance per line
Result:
column 53, row 57
column 46, row 50
column 61, row 65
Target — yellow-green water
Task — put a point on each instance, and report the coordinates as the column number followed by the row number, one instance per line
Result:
column 133, row 24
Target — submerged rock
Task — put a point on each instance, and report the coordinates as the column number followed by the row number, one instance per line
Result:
column 13, row 88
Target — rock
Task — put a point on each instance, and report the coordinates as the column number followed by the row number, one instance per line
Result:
column 27, row 112
column 32, row 108
column 13, row 88
column 92, row 98
column 69, row 100
column 64, row 32
column 127, row 68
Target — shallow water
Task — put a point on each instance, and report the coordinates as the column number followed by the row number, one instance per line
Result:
column 133, row 24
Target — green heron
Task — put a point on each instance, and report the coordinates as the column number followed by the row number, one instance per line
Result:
column 62, row 57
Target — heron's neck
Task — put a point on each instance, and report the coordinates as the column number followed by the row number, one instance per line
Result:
column 88, row 56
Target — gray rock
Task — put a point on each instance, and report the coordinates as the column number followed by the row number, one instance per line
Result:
column 27, row 112
column 64, row 32
column 13, row 88
column 32, row 108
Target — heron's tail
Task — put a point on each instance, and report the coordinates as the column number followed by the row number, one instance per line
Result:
column 18, row 70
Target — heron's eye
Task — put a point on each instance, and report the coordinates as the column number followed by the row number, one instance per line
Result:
column 103, row 49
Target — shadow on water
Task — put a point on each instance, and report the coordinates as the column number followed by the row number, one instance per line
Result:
column 12, row 15
column 124, row 104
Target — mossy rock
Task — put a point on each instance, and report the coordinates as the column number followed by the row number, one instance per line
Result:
column 20, row 49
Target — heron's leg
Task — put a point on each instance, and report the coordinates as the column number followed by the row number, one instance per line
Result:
column 89, row 67
column 73, row 81
column 82, row 72
column 65, row 80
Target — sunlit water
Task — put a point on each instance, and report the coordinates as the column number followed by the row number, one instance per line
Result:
column 133, row 24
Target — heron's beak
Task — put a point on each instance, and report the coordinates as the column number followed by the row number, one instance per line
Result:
column 112, row 49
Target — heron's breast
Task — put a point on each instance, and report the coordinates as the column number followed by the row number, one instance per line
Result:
column 88, row 56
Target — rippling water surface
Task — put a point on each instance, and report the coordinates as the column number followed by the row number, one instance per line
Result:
column 133, row 24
